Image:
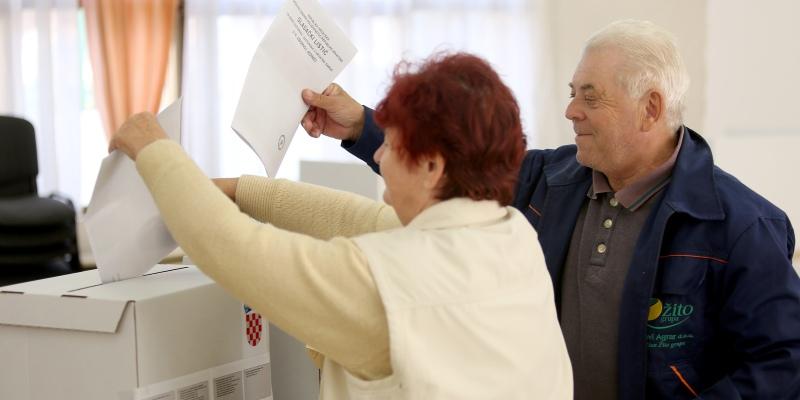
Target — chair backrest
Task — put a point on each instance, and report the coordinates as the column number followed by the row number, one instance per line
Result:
column 18, row 161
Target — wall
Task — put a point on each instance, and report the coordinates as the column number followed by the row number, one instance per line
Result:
column 753, row 94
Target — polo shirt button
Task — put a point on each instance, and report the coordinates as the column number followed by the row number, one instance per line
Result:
column 602, row 248
column 613, row 202
column 608, row 223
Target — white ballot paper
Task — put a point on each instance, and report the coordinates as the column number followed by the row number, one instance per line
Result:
column 124, row 226
column 303, row 48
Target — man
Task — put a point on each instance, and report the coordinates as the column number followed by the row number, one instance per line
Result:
column 673, row 280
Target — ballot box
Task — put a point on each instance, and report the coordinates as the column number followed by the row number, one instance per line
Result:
column 172, row 334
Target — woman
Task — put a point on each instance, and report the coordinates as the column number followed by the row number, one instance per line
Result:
column 435, row 297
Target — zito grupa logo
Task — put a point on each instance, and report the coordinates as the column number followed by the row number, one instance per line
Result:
column 667, row 315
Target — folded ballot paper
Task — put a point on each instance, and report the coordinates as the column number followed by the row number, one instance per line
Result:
column 124, row 226
column 303, row 48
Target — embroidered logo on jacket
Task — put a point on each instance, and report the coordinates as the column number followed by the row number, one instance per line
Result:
column 667, row 315
column 664, row 316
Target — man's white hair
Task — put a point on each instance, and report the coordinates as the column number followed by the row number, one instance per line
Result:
column 651, row 61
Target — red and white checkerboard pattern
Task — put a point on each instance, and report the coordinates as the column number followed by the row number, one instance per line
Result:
column 254, row 328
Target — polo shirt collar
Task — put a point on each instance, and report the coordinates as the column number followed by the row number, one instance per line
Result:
column 638, row 192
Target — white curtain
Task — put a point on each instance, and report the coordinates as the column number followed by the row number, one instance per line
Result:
column 221, row 35
column 40, row 81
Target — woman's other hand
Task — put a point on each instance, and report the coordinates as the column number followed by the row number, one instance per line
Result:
column 136, row 133
column 228, row 186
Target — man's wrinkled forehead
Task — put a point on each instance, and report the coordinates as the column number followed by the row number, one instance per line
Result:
column 584, row 87
column 596, row 70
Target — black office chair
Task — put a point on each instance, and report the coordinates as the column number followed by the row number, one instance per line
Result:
column 33, row 229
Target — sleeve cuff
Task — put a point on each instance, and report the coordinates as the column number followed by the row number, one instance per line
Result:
column 368, row 142
column 149, row 160
column 253, row 194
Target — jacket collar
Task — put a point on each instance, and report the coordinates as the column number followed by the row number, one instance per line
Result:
column 692, row 190
column 459, row 212
column 567, row 171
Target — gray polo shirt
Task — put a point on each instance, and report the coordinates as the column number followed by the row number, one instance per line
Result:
column 597, row 263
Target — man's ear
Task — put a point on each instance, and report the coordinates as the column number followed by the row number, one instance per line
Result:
column 653, row 109
column 433, row 167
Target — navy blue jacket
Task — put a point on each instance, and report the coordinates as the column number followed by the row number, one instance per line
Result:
column 711, row 302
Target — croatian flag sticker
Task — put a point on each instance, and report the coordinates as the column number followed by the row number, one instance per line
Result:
column 254, row 326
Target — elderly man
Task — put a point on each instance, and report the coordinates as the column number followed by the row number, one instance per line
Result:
column 673, row 279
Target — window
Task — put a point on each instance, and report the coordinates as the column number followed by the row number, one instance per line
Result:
column 221, row 38
column 48, row 78
column 94, row 145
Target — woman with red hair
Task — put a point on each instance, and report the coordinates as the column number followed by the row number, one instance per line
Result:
column 436, row 294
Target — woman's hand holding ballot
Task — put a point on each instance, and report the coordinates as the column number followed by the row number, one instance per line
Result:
column 136, row 133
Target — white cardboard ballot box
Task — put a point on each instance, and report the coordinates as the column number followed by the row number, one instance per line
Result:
column 172, row 334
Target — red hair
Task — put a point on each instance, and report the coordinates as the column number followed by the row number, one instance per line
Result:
column 457, row 106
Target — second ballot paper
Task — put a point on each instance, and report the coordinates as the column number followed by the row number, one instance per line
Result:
column 303, row 48
column 122, row 222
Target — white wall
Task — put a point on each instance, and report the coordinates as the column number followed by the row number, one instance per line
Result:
column 753, row 94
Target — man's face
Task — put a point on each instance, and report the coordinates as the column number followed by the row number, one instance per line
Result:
column 604, row 117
